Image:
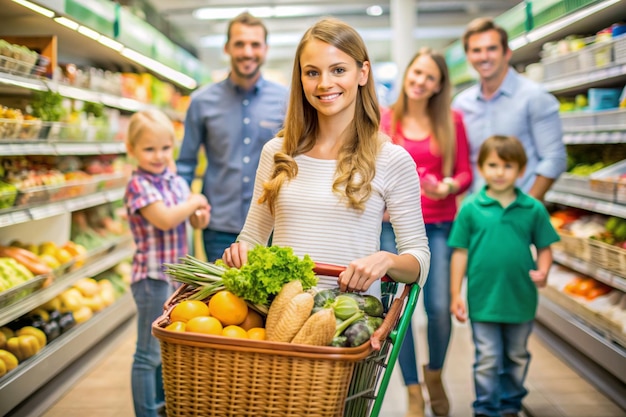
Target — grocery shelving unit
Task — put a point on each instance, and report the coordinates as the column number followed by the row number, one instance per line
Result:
column 38, row 381
column 595, row 351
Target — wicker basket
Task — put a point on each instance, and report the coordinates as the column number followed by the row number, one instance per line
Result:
column 610, row 257
column 210, row 376
column 575, row 246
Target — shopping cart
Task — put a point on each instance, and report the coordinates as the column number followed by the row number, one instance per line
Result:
column 211, row 376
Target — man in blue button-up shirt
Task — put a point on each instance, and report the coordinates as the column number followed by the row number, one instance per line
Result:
column 232, row 119
column 507, row 103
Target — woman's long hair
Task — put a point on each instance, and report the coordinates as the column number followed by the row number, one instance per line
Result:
column 438, row 111
column 356, row 165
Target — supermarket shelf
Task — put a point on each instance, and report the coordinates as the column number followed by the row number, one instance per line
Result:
column 117, row 252
column 53, row 209
column 581, row 82
column 27, row 147
column 594, row 138
column 527, row 46
column 10, row 82
column 35, row 372
column 594, row 271
column 576, row 341
column 586, row 203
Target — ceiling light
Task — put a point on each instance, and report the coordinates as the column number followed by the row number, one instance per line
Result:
column 35, row 8
column 164, row 70
column 375, row 10
column 90, row 33
column 68, row 23
column 113, row 44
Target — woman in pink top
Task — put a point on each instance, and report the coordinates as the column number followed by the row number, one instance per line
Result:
column 422, row 122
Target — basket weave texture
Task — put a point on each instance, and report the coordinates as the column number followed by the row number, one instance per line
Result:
column 211, row 376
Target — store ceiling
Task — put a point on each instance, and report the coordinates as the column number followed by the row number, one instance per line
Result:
column 439, row 22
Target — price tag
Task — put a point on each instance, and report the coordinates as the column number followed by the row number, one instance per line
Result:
column 21, row 216
column 112, row 148
column 76, row 149
column 46, row 211
column 6, row 220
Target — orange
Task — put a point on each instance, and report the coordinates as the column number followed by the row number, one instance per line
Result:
column 253, row 319
column 188, row 309
column 234, row 331
column 176, row 326
column 204, row 324
column 256, row 333
column 228, row 308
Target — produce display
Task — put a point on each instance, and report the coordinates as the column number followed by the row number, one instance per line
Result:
column 30, row 180
column 28, row 335
column 272, row 297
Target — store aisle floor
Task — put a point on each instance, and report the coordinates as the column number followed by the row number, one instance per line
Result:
column 555, row 390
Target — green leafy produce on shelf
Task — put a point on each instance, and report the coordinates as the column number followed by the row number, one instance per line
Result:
column 48, row 106
column 8, row 194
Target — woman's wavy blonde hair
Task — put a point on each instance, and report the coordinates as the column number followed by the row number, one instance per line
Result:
column 438, row 110
column 356, row 165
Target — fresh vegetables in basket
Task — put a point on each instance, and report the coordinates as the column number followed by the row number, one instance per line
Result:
column 330, row 318
column 257, row 282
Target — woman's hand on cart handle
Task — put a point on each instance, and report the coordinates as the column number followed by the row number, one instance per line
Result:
column 236, row 255
column 360, row 274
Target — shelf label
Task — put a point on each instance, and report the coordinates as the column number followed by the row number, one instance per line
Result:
column 76, row 149
column 48, row 210
column 21, row 216
column 6, row 220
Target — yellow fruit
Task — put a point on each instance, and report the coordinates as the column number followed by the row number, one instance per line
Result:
column 204, row 324
column 83, row 314
column 177, row 326
column 188, row 309
column 63, row 256
column 3, row 369
column 41, row 313
column 234, row 331
column 253, row 319
column 256, row 333
column 88, row 287
column 23, row 347
column 228, row 308
column 3, row 340
column 38, row 333
column 9, row 359
column 50, row 260
column 71, row 300
column 54, row 304
column 8, row 333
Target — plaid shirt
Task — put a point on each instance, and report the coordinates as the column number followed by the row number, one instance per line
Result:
column 155, row 246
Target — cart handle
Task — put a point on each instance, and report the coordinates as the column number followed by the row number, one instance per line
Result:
column 335, row 270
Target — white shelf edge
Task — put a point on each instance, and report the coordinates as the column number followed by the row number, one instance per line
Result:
column 52, row 209
column 586, row 203
column 586, row 79
column 609, row 278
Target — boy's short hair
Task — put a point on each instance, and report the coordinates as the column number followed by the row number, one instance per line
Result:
column 508, row 148
column 485, row 24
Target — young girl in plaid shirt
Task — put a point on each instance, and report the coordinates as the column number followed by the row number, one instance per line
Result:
column 158, row 203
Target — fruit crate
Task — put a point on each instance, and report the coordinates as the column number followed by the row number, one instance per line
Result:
column 607, row 256
column 20, row 129
column 607, row 181
column 15, row 294
column 574, row 246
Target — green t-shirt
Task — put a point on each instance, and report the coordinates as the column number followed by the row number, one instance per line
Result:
column 499, row 288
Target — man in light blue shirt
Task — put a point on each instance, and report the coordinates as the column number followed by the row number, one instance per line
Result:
column 232, row 119
column 507, row 103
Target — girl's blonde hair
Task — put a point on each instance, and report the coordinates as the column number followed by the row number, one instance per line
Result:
column 149, row 120
column 356, row 164
column 438, row 110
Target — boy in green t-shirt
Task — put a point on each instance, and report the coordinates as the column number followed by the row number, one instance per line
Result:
column 492, row 236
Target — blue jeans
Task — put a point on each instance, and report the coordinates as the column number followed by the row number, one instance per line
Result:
column 215, row 243
column 500, row 367
column 436, row 301
column 146, row 378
